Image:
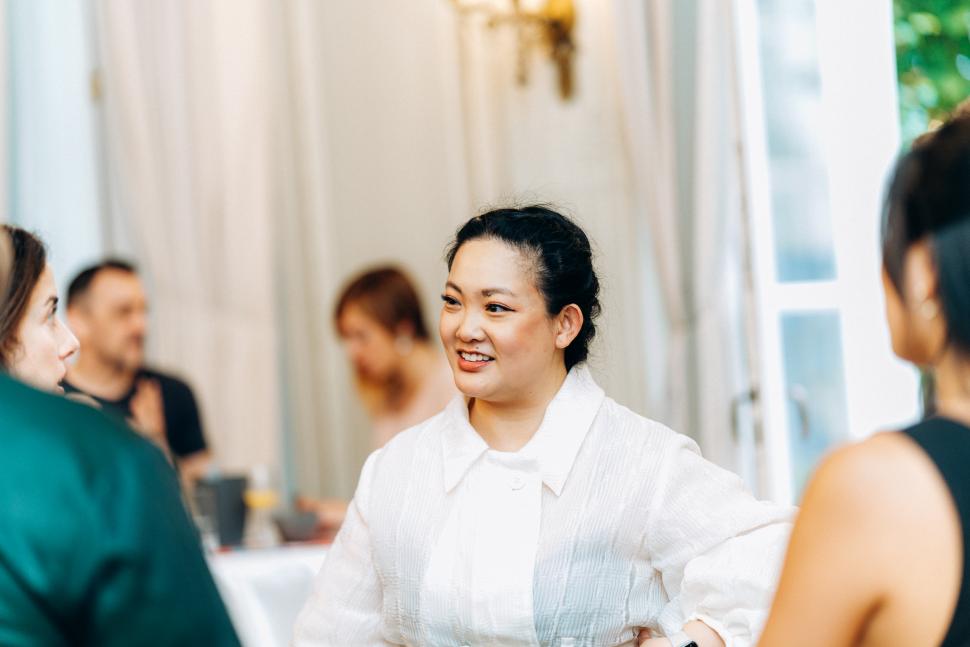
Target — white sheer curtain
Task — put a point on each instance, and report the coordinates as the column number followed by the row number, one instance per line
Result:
column 322, row 449
column 50, row 173
column 723, row 292
column 189, row 158
column 371, row 160
column 261, row 153
column 645, row 84
column 690, row 211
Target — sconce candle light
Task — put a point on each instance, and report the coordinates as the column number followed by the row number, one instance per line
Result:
column 550, row 27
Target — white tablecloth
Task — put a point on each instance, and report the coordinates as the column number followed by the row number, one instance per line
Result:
column 265, row 589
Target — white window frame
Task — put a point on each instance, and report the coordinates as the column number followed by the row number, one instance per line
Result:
column 860, row 141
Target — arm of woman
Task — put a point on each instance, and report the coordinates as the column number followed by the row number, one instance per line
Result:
column 717, row 548
column 346, row 604
column 839, row 567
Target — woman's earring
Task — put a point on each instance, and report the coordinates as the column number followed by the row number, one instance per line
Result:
column 403, row 344
column 929, row 309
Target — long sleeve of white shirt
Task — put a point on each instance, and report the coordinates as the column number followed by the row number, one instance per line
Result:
column 603, row 523
column 347, row 584
column 716, row 547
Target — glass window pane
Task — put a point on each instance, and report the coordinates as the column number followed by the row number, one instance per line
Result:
column 815, row 385
column 794, row 130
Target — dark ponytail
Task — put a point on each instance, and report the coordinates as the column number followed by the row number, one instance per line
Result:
column 929, row 197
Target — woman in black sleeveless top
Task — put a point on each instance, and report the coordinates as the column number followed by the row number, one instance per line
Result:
column 880, row 554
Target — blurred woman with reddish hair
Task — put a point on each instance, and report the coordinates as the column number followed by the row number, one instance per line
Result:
column 401, row 378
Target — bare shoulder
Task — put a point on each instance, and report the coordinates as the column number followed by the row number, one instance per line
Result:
column 882, row 503
column 885, row 483
column 911, row 482
column 861, row 560
column 877, row 469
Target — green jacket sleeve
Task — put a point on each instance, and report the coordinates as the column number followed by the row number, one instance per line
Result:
column 95, row 545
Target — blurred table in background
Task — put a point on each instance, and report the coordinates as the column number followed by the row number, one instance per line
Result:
column 265, row 589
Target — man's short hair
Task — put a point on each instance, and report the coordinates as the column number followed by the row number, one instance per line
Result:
column 82, row 282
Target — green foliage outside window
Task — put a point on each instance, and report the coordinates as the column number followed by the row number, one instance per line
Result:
column 932, row 61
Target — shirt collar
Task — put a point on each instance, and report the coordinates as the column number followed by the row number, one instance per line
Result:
column 554, row 445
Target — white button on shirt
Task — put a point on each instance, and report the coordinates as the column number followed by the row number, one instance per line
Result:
column 604, row 522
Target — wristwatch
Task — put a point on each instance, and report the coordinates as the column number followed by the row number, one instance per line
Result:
column 680, row 639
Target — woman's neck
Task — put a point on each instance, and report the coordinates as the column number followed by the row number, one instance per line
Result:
column 508, row 426
column 406, row 383
column 952, row 375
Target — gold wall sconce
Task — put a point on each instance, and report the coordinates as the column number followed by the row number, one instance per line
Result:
column 549, row 28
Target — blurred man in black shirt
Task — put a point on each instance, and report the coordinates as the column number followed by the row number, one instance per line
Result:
column 107, row 310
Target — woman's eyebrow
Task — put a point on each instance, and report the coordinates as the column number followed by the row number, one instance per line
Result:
column 487, row 292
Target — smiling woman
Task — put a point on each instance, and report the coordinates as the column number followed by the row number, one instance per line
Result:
column 519, row 307
column 535, row 510
column 34, row 343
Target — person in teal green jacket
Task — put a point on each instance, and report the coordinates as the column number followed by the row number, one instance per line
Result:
column 96, row 547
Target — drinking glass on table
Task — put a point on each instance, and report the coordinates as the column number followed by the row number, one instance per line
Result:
column 261, row 498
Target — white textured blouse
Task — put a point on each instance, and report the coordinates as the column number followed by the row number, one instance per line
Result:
column 604, row 522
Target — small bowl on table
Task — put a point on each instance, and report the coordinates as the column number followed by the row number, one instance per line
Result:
column 297, row 525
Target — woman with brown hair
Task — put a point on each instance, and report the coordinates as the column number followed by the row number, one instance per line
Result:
column 34, row 343
column 401, row 378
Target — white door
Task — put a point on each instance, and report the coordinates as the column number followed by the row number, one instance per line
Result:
column 819, row 116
